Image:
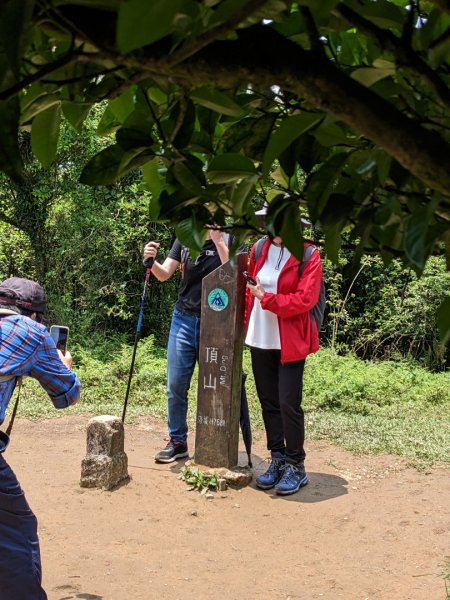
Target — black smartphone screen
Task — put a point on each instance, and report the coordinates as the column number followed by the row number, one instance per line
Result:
column 60, row 335
column 61, row 344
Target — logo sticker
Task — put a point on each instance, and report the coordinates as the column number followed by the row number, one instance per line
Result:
column 217, row 299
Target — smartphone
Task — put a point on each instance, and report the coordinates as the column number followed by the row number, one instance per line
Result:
column 249, row 278
column 60, row 335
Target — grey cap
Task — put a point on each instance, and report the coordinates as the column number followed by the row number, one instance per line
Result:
column 23, row 293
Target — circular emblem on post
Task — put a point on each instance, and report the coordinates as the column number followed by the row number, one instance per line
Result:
column 217, row 299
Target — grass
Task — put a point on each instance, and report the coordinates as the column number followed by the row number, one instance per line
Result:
column 365, row 407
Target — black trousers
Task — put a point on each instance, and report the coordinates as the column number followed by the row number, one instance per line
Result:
column 279, row 387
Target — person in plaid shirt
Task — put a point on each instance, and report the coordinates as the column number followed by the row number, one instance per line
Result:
column 26, row 350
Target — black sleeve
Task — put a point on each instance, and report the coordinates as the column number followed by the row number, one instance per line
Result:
column 175, row 251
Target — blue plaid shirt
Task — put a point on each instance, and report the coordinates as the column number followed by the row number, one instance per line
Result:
column 27, row 349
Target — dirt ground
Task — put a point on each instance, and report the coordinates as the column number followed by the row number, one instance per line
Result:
column 364, row 528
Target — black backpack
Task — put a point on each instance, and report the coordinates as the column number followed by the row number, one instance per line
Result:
column 318, row 310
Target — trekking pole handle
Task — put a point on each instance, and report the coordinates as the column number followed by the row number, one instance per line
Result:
column 149, row 263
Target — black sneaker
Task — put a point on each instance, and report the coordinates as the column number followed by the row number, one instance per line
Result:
column 173, row 451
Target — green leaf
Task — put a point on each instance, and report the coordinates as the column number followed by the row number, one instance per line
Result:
column 75, row 113
column 249, row 135
column 184, row 133
column 217, row 101
column 136, row 157
column 152, row 177
column 383, row 164
column 177, row 204
column 230, row 167
column 123, row 106
column 45, row 134
column 330, row 134
column 415, row 237
column 187, row 179
column 289, row 130
column 42, row 103
column 291, row 230
column 274, row 218
column 333, row 242
column 191, row 233
column 225, row 10
column 382, row 12
column 104, row 167
column 336, row 211
column 142, row 22
column 133, row 138
column 108, row 123
column 322, row 182
column 320, row 8
column 443, row 320
column 242, row 195
column 368, row 75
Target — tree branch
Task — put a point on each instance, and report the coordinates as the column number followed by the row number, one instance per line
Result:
column 213, row 34
column 69, row 57
column 405, row 54
column 263, row 57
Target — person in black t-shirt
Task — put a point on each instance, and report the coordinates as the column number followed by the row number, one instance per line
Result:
column 184, row 336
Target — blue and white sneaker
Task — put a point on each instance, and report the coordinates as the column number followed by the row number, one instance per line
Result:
column 292, row 479
column 267, row 480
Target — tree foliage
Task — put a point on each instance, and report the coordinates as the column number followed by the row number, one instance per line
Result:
column 83, row 244
column 339, row 109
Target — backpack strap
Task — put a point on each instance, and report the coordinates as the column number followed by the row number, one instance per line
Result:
column 258, row 248
column 306, row 256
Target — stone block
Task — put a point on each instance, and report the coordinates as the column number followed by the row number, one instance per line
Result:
column 105, row 465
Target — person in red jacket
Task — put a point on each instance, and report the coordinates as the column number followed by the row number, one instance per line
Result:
column 281, row 333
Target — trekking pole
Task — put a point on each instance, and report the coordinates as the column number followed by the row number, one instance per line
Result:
column 148, row 264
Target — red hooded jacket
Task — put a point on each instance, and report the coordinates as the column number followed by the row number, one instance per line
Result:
column 294, row 299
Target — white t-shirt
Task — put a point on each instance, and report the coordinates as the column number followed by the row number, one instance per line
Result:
column 263, row 329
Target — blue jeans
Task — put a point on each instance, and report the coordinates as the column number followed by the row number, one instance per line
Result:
column 182, row 353
column 20, row 562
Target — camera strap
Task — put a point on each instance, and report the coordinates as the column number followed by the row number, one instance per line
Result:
column 4, row 435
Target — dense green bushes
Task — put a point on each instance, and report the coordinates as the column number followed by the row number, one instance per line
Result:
column 387, row 312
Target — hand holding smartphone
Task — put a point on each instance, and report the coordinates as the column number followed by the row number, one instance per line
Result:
column 60, row 335
column 251, row 280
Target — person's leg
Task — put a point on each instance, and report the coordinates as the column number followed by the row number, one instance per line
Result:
column 265, row 371
column 20, row 562
column 293, row 475
column 182, row 351
column 290, row 382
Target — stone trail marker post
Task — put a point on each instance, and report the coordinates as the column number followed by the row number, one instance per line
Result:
column 220, row 365
column 105, row 464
